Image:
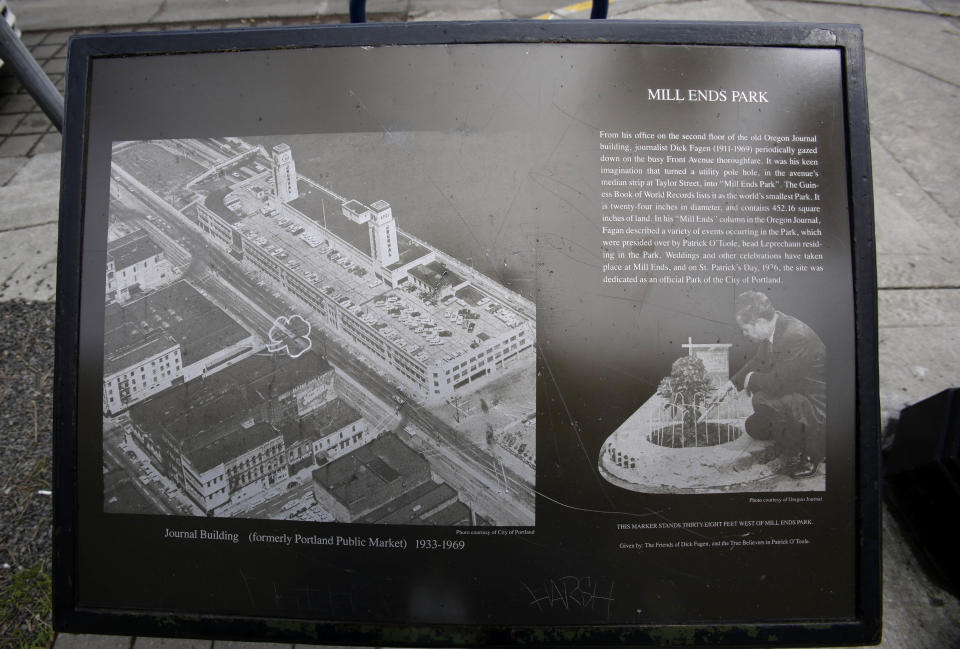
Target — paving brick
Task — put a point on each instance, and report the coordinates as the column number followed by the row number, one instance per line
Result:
column 55, row 66
column 250, row 645
column 485, row 13
column 89, row 641
column 916, row 238
column 171, row 643
column 17, row 145
column 699, row 10
column 29, row 203
column 19, row 103
column 28, row 271
column 32, row 38
column 32, row 123
column 919, row 308
column 918, row 354
column 8, row 123
column 9, row 167
column 43, row 52
column 51, row 142
column 57, row 37
column 915, row 363
column 40, row 168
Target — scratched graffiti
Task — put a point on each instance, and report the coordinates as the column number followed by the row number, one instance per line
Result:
column 570, row 592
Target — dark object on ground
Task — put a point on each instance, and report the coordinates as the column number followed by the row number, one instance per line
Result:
column 922, row 475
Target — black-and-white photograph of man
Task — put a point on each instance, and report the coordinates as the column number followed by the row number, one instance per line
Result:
column 713, row 428
column 786, row 381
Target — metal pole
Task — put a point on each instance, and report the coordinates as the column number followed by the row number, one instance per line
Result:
column 599, row 9
column 358, row 11
column 34, row 79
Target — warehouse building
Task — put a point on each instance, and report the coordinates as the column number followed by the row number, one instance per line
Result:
column 332, row 430
column 135, row 265
column 435, row 325
column 171, row 335
column 222, row 437
column 386, row 482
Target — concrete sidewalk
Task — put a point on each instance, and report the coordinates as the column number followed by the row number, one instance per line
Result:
column 912, row 50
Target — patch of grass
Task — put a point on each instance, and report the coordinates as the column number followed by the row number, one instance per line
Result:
column 26, row 609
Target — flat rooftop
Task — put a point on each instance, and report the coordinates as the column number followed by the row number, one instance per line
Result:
column 435, row 274
column 178, row 311
column 201, row 408
column 143, row 160
column 131, row 249
column 206, row 452
column 133, row 354
column 387, row 309
column 328, row 418
column 408, row 250
column 455, row 514
column 470, row 295
column 217, row 151
column 370, row 469
column 215, row 203
column 323, row 208
column 411, row 506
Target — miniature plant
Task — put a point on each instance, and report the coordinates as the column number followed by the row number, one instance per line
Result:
column 687, row 388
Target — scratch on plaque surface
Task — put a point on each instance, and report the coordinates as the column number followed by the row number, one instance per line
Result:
column 506, row 217
column 501, row 100
column 554, row 103
column 372, row 116
column 557, row 242
column 246, row 587
column 573, row 424
column 541, row 180
column 592, row 510
column 691, row 314
column 469, row 230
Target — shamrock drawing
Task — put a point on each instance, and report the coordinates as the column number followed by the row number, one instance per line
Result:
column 291, row 335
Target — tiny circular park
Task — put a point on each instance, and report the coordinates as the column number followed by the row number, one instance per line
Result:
column 689, row 437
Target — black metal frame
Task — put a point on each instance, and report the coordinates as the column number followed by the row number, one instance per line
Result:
column 865, row 628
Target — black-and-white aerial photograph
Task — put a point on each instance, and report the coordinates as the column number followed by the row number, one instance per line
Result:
column 761, row 429
column 281, row 345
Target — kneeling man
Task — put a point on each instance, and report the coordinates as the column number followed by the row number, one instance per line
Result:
column 787, row 382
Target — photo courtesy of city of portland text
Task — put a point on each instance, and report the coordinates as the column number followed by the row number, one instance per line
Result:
column 296, row 330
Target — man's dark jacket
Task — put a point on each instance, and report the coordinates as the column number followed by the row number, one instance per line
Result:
column 788, row 383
